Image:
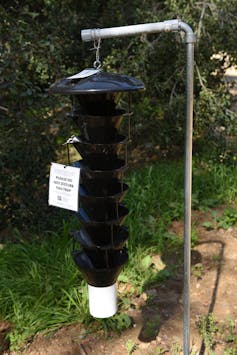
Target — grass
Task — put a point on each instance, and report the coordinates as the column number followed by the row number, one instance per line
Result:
column 41, row 289
column 156, row 196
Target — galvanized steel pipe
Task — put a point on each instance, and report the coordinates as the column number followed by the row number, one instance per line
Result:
column 170, row 26
column 132, row 30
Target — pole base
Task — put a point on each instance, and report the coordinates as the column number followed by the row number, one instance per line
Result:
column 102, row 301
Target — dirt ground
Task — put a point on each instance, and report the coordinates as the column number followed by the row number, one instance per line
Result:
column 158, row 313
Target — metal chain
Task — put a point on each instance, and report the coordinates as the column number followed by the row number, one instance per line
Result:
column 97, row 62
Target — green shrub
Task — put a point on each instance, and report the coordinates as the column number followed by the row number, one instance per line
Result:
column 40, row 42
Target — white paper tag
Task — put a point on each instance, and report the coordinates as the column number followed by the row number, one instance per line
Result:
column 71, row 140
column 85, row 73
column 64, row 186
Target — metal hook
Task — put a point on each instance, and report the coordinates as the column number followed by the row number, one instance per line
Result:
column 97, row 62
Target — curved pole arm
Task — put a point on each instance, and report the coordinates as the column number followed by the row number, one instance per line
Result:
column 170, row 26
column 132, row 30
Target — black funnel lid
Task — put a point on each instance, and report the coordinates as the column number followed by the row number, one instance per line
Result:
column 99, row 83
column 93, row 266
column 112, row 216
column 102, row 238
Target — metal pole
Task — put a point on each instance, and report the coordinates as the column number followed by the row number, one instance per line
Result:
column 188, row 195
column 168, row 26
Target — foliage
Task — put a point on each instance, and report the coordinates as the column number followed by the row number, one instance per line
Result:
column 26, row 132
column 208, row 329
column 162, row 118
column 39, row 286
column 225, row 221
column 214, row 332
column 40, row 43
column 130, row 346
column 118, row 322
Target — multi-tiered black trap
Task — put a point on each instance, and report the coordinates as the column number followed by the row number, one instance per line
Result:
column 103, row 149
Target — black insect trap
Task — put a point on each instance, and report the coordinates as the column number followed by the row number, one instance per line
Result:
column 103, row 149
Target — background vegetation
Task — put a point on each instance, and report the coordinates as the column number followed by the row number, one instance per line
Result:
column 40, row 42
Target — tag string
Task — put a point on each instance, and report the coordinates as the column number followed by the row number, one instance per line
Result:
column 68, row 155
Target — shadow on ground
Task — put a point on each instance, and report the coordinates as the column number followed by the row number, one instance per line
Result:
column 162, row 315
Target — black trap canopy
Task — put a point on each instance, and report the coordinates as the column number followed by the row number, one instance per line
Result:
column 99, row 83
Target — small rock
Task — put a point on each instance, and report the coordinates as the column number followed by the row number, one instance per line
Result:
column 194, row 349
column 151, row 293
column 156, row 260
column 82, row 334
column 144, row 345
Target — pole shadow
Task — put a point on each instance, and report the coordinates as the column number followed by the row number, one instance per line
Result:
column 216, row 284
column 166, row 297
column 165, row 300
column 5, row 329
